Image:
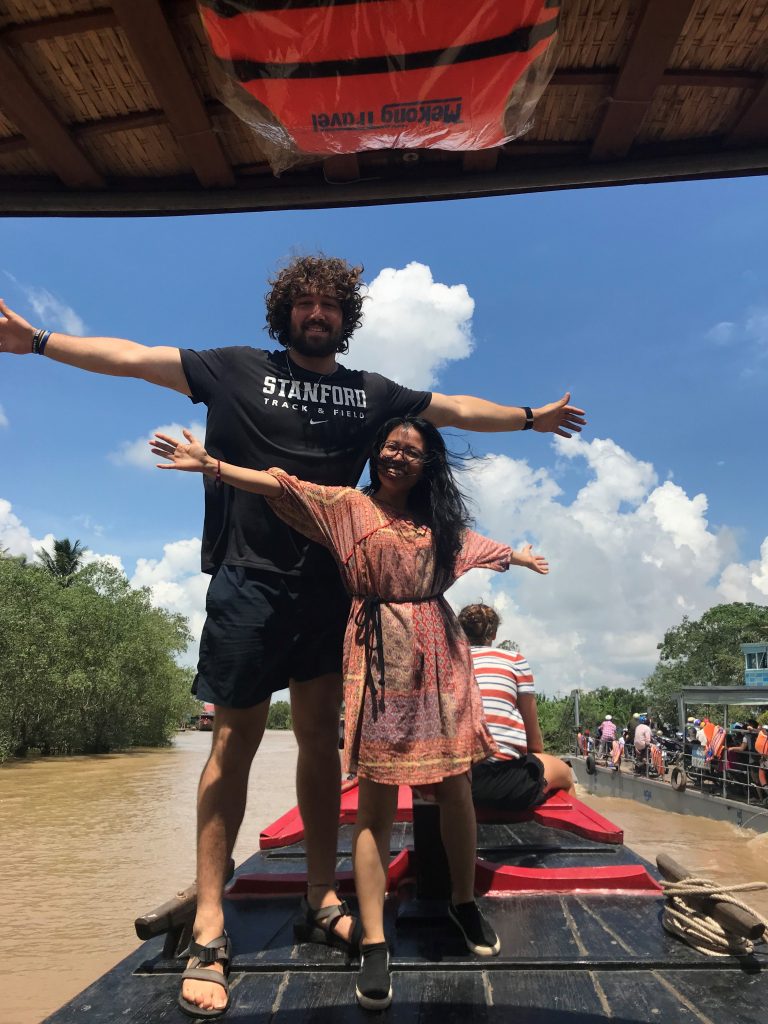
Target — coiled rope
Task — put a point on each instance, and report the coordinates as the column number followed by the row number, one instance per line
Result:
column 696, row 927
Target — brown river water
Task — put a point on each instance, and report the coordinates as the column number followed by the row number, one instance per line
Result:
column 89, row 843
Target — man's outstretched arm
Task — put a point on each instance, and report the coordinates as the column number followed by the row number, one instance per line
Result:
column 469, row 413
column 116, row 357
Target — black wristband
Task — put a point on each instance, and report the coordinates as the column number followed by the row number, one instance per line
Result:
column 528, row 417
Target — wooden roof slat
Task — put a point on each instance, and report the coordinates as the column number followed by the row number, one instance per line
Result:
column 149, row 35
column 51, row 140
column 658, row 30
column 59, row 25
column 753, row 124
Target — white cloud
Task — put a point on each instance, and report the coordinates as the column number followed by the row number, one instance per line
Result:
column 722, row 334
column 756, row 328
column 413, row 326
column 177, row 585
column 629, row 557
column 751, row 333
column 16, row 538
column 3, row 417
column 52, row 313
column 137, row 453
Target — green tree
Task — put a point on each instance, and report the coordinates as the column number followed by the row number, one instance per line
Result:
column 706, row 652
column 279, row 716
column 65, row 561
column 86, row 668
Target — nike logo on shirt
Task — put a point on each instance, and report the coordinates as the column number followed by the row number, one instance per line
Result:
column 313, row 423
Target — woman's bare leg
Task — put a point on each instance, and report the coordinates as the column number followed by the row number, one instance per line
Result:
column 370, row 854
column 458, row 830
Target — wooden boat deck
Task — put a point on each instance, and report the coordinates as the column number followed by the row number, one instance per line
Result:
column 567, row 958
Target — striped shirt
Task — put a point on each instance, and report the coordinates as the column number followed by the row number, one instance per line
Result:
column 501, row 676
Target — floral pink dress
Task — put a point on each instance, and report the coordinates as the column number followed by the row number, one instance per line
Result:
column 413, row 712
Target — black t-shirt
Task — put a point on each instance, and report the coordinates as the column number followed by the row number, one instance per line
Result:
column 264, row 411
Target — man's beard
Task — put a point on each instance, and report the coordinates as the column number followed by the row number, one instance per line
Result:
column 317, row 345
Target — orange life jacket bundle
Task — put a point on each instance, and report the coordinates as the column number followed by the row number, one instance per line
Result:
column 344, row 76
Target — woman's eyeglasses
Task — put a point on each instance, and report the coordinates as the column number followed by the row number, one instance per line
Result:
column 390, row 448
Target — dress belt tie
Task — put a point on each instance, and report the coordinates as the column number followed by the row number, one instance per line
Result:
column 371, row 635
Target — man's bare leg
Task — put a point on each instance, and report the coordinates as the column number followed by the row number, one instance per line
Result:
column 221, row 796
column 315, row 707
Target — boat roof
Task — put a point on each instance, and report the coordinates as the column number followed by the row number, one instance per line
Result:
column 752, row 695
column 111, row 108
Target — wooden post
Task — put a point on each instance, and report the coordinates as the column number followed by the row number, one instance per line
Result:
column 734, row 919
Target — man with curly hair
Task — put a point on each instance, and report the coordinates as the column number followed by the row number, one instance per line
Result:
column 276, row 609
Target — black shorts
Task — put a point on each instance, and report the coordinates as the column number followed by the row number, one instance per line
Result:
column 509, row 785
column 264, row 629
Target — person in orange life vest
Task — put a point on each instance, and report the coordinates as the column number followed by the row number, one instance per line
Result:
column 521, row 775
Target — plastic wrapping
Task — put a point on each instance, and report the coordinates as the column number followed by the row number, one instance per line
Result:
column 323, row 77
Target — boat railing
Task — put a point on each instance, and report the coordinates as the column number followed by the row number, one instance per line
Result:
column 733, row 778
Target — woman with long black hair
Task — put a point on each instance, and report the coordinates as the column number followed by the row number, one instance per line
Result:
column 413, row 709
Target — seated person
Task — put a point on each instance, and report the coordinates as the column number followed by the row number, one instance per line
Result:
column 520, row 775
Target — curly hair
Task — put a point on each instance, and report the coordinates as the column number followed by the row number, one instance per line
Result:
column 479, row 622
column 436, row 497
column 324, row 274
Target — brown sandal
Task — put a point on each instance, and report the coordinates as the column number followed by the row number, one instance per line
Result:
column 216, row 951
column 320, row 926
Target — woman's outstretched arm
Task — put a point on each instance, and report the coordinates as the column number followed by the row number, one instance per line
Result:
column 193, row 458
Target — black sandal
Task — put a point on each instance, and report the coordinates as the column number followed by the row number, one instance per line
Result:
column 216, row 951
column 320, row 926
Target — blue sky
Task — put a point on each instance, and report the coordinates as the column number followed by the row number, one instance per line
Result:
column 650, row 303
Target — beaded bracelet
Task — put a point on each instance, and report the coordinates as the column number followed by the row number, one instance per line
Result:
column 39, row 341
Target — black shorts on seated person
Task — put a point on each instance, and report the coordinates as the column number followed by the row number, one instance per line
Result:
column 516, row 785
column 264, row 629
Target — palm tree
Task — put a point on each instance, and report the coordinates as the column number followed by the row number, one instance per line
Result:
column 65, row 560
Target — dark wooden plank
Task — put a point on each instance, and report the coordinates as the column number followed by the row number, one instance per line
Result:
column 653, row 41
column 545, row 997
column 441, row 997
column 733, row 996
column 32, row 116
column 624, row 929
column 152, row 41
column 650, row 996
column 121, row 994
column 752, row 126
column 76, row 24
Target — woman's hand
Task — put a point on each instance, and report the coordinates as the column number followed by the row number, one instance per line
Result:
column 537, row 563
column 191, row 457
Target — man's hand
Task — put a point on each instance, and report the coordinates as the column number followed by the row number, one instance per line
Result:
column 191, row 458
column 467, row 412
column 559, row 418
column 15, row 333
